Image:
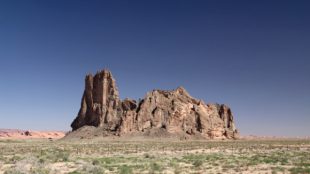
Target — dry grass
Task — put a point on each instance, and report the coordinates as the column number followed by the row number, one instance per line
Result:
column 278, row 156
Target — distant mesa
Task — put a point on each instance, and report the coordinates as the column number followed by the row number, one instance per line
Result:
column 27, row 134
column 162, row 113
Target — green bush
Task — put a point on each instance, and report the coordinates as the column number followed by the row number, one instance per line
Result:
column 197, row 163
column 124, row 169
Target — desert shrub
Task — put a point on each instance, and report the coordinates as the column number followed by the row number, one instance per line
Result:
column 297, row 170
column 197, row 163
column 227, row 167
column 53, row 155
column 124, row 169
column 20, row 165
column 177, row 170
column 74, row 172
column 89, row 168
column 173, row 163
column 13, row 171
column 110, row 168
column 155, row 167
column 146, row 155
column 96, row 162
column 15, row 158
column 39, row 170
column 96, row 170
column 62, row 156
column 41, row 160
column 107, row 160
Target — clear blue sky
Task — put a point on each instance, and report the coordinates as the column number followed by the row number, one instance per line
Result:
column 251, row 55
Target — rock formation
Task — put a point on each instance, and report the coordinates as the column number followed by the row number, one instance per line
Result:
column 173, row 112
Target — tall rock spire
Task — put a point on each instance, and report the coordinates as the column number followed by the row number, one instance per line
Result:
column 99, row 102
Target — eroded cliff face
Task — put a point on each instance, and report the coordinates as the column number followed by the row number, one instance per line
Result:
column 174, row 112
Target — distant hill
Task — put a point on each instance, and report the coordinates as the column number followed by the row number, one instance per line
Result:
column 28, row 134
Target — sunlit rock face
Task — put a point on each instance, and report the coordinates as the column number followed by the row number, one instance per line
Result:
column 174, row 112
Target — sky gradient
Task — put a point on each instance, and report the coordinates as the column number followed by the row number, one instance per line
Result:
column 251, row 55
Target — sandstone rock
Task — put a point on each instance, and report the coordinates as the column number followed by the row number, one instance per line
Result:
column 174, row 112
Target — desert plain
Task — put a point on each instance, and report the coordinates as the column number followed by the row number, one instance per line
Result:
column 121, row 155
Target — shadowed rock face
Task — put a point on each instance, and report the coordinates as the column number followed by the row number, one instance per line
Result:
column 174, row 111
